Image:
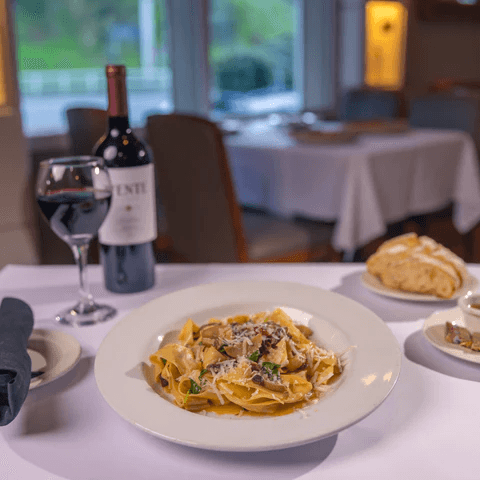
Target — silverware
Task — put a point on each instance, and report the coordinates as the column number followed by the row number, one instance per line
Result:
column 36, row 373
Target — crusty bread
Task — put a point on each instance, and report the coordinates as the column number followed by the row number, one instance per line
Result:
column 418, row 264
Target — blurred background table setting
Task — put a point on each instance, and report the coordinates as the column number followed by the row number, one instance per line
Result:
column 363, row 183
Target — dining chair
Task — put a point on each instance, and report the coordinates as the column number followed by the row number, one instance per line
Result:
column 205, row 221
column 368, row 104
column 446, row 111
column 85, row 127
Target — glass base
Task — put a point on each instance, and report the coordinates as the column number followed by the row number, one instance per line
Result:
column 81, row 315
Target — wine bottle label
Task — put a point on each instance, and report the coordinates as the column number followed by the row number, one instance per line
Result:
column 132, row 216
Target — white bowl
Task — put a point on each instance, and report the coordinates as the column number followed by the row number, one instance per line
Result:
column 470, row 305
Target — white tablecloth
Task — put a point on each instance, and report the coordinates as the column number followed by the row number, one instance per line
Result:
column 426, row 428
column 364, row 185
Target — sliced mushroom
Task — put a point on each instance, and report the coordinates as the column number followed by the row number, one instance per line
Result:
column 255, row 367
column 274, row 386
column 210, row 330
column 307, row 332
column 234, row 351
column 208, row 342
column 265, row 382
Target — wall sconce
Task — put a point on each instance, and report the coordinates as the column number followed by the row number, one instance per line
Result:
column 385, row 44
column 3, row 86
column 5, row 90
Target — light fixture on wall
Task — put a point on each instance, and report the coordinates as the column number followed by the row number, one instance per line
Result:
column 385, row 44
column 5, row 84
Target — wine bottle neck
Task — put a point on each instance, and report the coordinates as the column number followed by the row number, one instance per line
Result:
column 117, row 95
column 119, row 123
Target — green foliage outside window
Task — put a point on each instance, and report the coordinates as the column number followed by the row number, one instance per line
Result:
column 63, row 34
column 251, row 42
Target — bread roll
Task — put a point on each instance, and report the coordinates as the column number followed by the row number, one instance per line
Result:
column 418, row 264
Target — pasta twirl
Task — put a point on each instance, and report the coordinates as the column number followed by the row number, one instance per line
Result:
column 262, row 364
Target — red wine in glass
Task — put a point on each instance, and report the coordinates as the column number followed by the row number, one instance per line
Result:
column 74, row 196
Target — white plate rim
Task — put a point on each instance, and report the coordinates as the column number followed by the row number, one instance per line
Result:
column 372, row 373
column 60, row 350
column 375, row 285
column 434, row 331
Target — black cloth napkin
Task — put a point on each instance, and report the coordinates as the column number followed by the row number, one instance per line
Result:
column 16, row 325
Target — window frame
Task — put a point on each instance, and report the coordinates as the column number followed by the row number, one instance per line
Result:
column 320, row 74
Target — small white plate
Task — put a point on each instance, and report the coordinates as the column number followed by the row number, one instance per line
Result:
column 375, row 285
column 53, row 352
column 434, row 332
column 338, row 323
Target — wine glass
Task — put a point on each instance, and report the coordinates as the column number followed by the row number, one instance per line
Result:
column 74, row 195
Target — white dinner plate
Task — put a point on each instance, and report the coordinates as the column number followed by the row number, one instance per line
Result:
column 372, row 365
column 434, row 332
column 375, row 285
column 53, row 352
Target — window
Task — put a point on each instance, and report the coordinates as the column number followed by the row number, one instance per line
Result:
column 212, row 57
column 63, row 48
column 251, row 56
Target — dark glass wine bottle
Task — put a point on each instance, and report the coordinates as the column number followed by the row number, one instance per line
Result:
column 126, row 236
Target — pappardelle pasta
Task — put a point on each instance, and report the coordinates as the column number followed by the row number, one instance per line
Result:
column 261, row 364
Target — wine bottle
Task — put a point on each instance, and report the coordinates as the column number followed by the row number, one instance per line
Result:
column 126, row 236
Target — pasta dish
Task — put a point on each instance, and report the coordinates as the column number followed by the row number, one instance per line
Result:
column 261, row 364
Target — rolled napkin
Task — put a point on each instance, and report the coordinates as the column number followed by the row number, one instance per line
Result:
column 16, row 324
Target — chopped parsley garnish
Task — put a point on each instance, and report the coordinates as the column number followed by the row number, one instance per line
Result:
column 271, row 368
column 194, row 388
column 254, row 356
column 164, row 361
column 222, row 348
column 202, row 373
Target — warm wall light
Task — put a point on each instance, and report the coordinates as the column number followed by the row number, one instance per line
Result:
column 385, row 41
column 3, row 47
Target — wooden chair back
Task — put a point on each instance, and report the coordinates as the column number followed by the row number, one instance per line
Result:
column 85, row 127
column 203, row 216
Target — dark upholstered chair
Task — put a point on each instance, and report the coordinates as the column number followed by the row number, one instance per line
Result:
column 446, row 111
column 85, row 127
column 205, row 222
column 364, row 104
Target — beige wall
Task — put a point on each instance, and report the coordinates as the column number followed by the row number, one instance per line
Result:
column 18, row 241
column 437, row 50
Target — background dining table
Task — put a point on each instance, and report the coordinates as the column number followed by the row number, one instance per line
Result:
column 426, row 428
column 364, row 184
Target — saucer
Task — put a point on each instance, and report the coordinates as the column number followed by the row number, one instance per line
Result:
column 434, row 332
column 53, row 352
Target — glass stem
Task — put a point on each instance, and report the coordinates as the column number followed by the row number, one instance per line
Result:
column 80, row 252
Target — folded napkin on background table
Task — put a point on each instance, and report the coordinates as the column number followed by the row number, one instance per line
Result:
column 16, row 324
